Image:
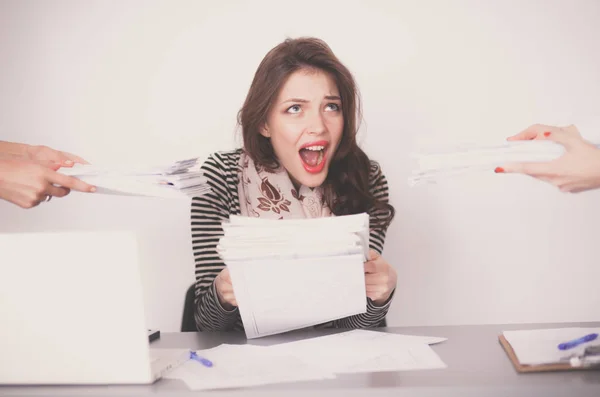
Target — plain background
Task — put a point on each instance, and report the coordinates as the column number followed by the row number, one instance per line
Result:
column 147, row 81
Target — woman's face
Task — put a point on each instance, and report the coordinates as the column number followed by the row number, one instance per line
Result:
column 305, row 126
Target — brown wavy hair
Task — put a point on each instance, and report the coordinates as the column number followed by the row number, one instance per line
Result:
column 346, row 188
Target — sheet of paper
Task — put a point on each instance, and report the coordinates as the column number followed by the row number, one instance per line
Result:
column 367, row 351
column 245, row 366
column 362, row 335
column 540, row 346
column 280, row 295
column 296, row 273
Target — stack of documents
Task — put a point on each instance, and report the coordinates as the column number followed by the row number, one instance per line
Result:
column 290, row 274
column 181, row 179
column 326, row 357
column 436, row 164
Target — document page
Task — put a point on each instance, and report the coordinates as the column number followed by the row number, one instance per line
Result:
column 367, row 351
column 280, row 295
column 244, row 366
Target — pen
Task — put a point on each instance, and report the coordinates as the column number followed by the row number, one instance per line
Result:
column 204, row 361
column 576, row 342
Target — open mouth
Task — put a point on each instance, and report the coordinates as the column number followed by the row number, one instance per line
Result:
column 313, row 156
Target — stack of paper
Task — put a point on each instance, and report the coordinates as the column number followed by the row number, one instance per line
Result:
column 310, row 359
column 435, row 164
column 181, row 179
column 290, row 274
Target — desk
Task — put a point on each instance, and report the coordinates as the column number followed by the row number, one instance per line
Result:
column 477, row 366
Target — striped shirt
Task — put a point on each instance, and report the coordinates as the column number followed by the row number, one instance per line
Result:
column 211, row 209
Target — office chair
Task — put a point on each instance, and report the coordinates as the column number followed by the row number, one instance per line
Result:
column 188, row 322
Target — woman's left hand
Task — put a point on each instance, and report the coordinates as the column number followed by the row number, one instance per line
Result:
column 577, row 170
column 380, row 278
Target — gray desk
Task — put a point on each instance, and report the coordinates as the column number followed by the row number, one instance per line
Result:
column 477, row 366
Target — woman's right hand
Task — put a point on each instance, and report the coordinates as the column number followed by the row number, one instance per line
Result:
column 225, row 290
column 28, row 183
column 577, row 170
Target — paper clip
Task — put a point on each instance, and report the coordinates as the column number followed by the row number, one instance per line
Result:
column 589, row 358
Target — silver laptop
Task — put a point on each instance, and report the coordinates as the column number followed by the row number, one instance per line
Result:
column 72, row 311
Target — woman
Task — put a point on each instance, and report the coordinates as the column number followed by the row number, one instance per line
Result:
column 300, row 159
column 577, row 170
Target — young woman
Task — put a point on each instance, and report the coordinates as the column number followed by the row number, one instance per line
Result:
column 300, row 159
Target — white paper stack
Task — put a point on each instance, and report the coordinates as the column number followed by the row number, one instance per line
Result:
column 436, row 164
column 290, row 274
column 180, row 179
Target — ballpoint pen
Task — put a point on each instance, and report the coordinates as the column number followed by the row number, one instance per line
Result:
column 204, row 361
column 576, row 342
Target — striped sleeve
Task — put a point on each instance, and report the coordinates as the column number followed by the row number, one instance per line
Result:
column 208, row 212
column 378, row 187
column 375, row 314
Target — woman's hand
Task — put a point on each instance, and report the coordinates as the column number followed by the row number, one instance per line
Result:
column 39, row 153
column 45, row 153
column 225, row 290
column 380, row 278
column 28, row 183
column 577, row 170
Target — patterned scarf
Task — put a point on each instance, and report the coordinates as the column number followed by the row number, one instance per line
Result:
column 272, row 195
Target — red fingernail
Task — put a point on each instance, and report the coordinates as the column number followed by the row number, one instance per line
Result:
column 499, row 170
column 547, row 133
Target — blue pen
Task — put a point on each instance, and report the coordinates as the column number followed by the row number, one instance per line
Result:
column 576, row 342
column 204, row 361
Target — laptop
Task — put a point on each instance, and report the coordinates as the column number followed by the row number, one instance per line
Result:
column 72, row 311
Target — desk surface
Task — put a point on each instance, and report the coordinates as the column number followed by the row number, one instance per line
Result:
column 477, row 366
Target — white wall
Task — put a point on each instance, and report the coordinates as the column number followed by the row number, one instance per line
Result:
column 153, row 80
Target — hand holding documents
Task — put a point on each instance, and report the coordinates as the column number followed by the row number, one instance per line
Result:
column 290, row 274
column 181, row 179
column 434, row 165
column 552, row 349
